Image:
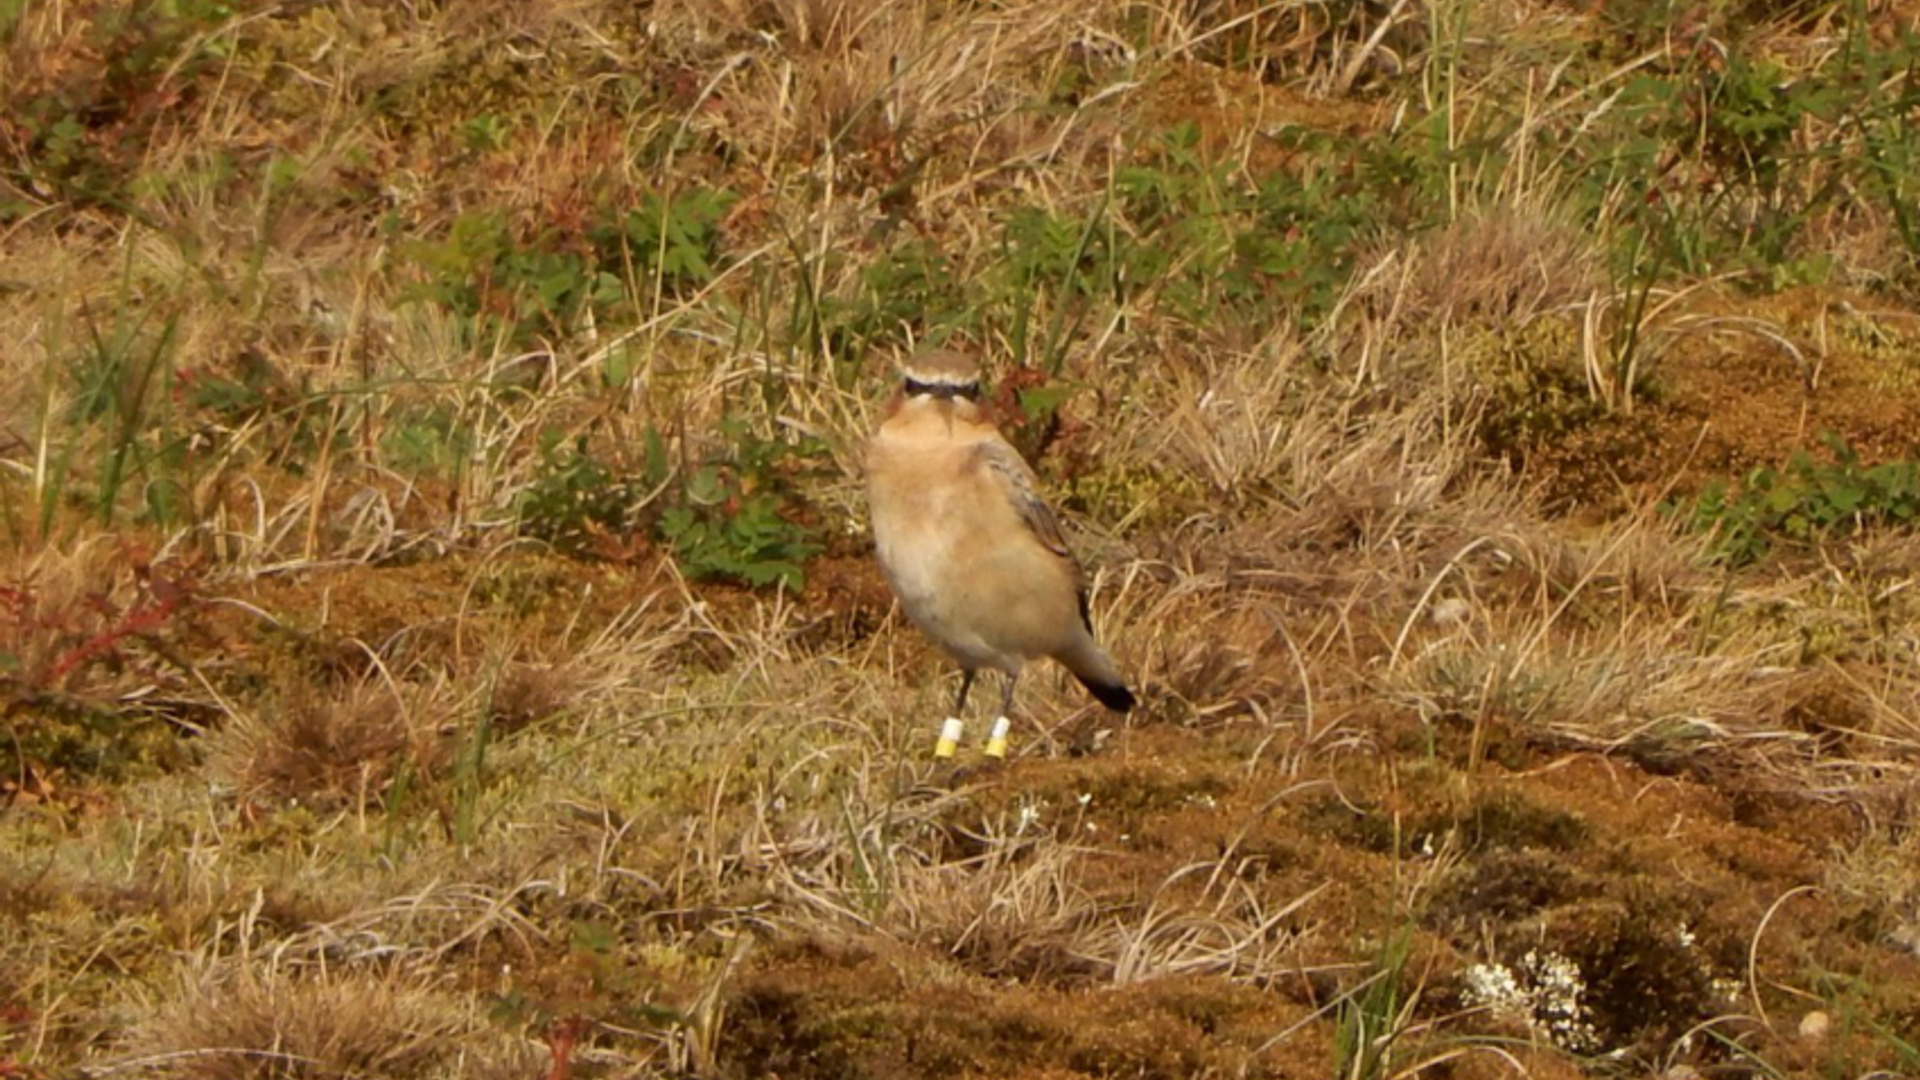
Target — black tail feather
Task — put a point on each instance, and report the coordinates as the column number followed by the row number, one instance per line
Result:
column 1114, row 696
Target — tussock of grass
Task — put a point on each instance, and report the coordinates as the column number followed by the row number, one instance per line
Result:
column 1012, row 911
column 1500, row 266
column 327, row 752
column 528, row 694
column 245, row 1022
column 1878, row 877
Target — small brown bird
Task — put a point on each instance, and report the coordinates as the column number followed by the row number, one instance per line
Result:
column 972, row 551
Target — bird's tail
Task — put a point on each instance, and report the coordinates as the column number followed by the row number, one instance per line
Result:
column 1095, row 670
column 1114, row 696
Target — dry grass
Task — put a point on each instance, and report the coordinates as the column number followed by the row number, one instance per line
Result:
column 1878, row 876
column 323, row 765
column 248, row 1023
column 327, row 752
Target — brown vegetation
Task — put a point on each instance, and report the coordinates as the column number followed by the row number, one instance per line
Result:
column 437, row 636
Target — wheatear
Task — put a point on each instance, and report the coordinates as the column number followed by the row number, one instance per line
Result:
column 974, row 554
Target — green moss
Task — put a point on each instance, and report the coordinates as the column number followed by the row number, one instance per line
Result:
column 1532, row 382
column 1143, row 495
column 1893, row 352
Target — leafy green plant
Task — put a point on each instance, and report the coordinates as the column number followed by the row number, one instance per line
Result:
column 738, row 518
column 506, row 286
column 1804, row 502
column 1185, row 209
column 674, row 239
column 1887, row 81
column 1053, row 261
column 576, row 497
column 907, row 291
column 484, row 133
column 735, row 517
column 1188, row 233
column 514, row 283
column 78, row 121
column 1704, row 168
column 1310, row 224
column 429, row 441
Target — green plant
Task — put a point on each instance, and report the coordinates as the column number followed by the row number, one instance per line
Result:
column 734, row 517
column 1705, row 168
column 1195, row 235
column 469, row 779
column 109, row 408
column 1855, row 1006
column 1184, row 209
column 1888, row 83
column 115, row 375
column 484, row 133
column 514, row 282
column 673, row 238
column 77, row 122
column 576, row 497
column 430, row 441
column 1310, row 222
column 909, row 290
column 1058, row 261
column 509, row 288
column 1372, row 1017
column 1804, row 502
column 738, row 518
column 1210, row 238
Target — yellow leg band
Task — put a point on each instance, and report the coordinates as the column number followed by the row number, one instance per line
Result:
column 997, row 740
column 949, row 738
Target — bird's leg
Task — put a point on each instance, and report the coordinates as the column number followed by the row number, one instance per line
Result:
column 951, row 730
column 997, row 738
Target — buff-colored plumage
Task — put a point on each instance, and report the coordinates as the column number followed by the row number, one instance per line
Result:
column 973, row 552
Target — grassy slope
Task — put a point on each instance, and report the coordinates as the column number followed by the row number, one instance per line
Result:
column 405, row 400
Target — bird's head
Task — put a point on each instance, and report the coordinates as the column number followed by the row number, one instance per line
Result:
column 944, row 374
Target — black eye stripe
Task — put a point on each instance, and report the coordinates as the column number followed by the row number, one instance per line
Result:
column 970, row 391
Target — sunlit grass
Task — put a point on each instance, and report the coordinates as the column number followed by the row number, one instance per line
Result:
column 437, row 637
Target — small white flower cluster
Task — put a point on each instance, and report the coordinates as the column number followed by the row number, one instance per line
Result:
column 1543, row 992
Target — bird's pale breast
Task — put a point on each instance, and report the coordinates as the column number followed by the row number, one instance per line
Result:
column 966, row 568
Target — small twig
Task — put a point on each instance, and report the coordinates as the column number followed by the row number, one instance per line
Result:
column 1368, row 48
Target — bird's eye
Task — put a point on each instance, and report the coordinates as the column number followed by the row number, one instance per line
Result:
column 915, row 388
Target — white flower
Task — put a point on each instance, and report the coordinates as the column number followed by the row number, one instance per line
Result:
column 1544, row 994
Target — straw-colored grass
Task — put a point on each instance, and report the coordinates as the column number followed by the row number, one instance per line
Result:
column 403, row 399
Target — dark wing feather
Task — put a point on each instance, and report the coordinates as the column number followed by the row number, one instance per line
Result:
column 1017, row 482
column 1022, row 489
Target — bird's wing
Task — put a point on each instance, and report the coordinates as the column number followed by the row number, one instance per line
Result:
column 1010, row 473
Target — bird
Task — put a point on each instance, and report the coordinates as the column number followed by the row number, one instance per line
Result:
column 971, row 549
